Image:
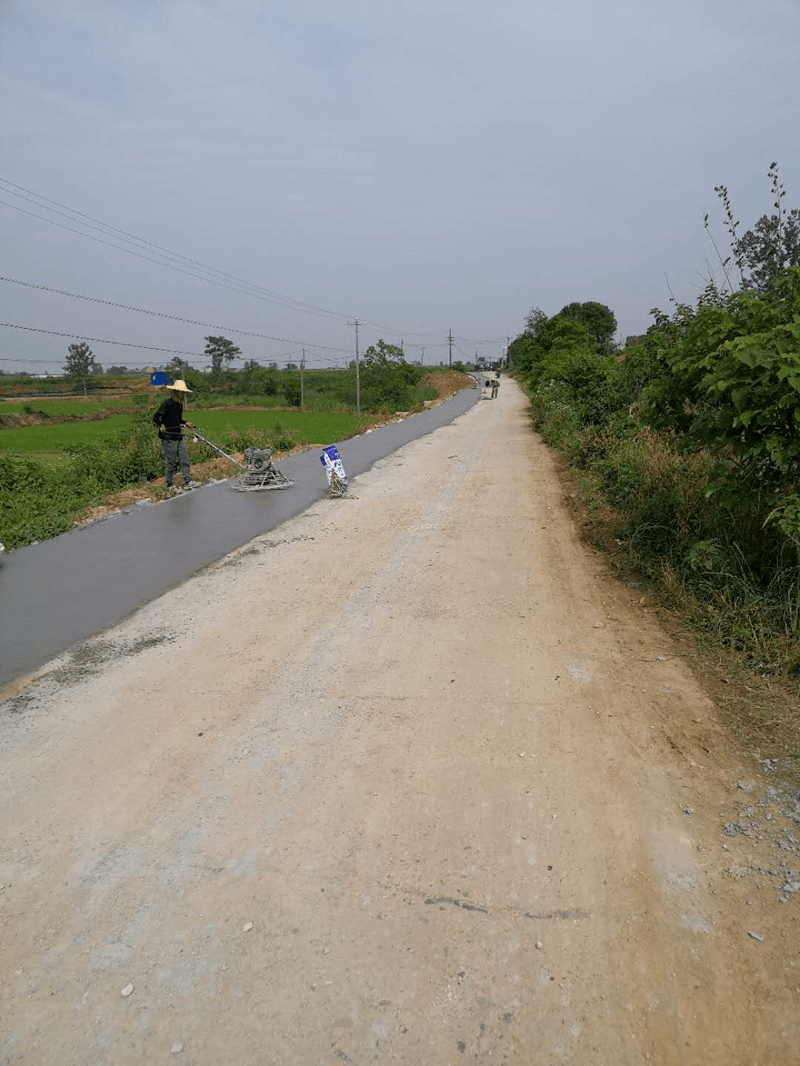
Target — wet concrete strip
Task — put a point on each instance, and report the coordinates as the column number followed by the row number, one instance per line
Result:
column 57, row 593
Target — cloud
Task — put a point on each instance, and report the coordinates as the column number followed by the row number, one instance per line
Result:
column 431, row 163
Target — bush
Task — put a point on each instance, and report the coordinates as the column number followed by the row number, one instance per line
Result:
column 692, row 440
column 127, row 459
column 277, row 437
column 590, row 384
column 390, row 386
column 37, row 502
column 291, row 389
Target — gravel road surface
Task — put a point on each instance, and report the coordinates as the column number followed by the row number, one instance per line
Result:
column 407, row 779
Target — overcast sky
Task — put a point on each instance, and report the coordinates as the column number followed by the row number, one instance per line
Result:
column 422, row 165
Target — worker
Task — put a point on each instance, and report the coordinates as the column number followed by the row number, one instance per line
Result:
column 495, row 386
column 170, row 421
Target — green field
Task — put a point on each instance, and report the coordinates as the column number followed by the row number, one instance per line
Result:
column 63, row 407
column 58, row 438
column 310, row 427
column 307, row 427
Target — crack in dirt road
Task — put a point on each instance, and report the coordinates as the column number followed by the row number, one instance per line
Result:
column 408, row 782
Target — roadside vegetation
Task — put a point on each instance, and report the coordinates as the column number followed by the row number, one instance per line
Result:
column 68, row 445
column 687, row 440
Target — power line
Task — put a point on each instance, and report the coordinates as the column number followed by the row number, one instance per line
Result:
column 392, row 330
column 184, row 264
column 163, row 314
column 121, row 344
column 94, row 340
column 51, row 362
column 147, row 258
column 174, row 260
column 151, row 252
column 471, row 340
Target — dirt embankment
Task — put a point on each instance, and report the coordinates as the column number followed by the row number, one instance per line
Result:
column 446, row 382
column 14, row 420
column 411, row 779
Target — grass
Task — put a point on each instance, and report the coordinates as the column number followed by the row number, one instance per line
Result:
column 305, row 427
column 59, row 438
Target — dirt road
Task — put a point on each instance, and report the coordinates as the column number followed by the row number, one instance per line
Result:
column 409, row 781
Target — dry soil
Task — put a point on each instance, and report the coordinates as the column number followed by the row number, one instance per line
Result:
column 408, row 780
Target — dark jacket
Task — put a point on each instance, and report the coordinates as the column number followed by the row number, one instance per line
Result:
column 169, row 419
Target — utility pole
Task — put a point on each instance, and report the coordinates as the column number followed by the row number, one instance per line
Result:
column 358, row 382
column 508, row 353
column 302, row 379
column 450, row 342
column 422, row 360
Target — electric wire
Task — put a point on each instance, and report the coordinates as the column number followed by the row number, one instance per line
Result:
column 490, row 340
column 182, row 264
column 103, row 340
column 94, row 340
column 163, row 314
column 310, row 365
column 182, row 261
column 148, row 258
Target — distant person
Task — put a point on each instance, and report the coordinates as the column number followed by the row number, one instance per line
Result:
column 495, row 386
column 170, row 421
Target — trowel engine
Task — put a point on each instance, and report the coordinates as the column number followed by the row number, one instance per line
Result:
column 258, row 471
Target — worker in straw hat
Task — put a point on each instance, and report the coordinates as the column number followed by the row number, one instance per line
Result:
column 170, row 421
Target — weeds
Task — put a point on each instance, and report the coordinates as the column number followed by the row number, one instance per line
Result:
column 733, row 574
column 38, row 501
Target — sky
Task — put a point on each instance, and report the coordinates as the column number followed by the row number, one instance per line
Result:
column 274, row 170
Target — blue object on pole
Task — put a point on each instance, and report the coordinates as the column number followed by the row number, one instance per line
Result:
column 160, row 378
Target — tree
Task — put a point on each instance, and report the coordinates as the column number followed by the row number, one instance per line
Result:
column 383, row 354
column 291, row 389
column 557, row 334
column 728, row 379
column 770, row 247
column 177, row 367
column 533, row 320
column 256, row 379
column 221, row 351
column 597, row 318
column 80, row 362
column 387, row 378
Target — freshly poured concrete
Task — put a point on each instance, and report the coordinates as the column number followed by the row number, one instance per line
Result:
column 55, row 594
